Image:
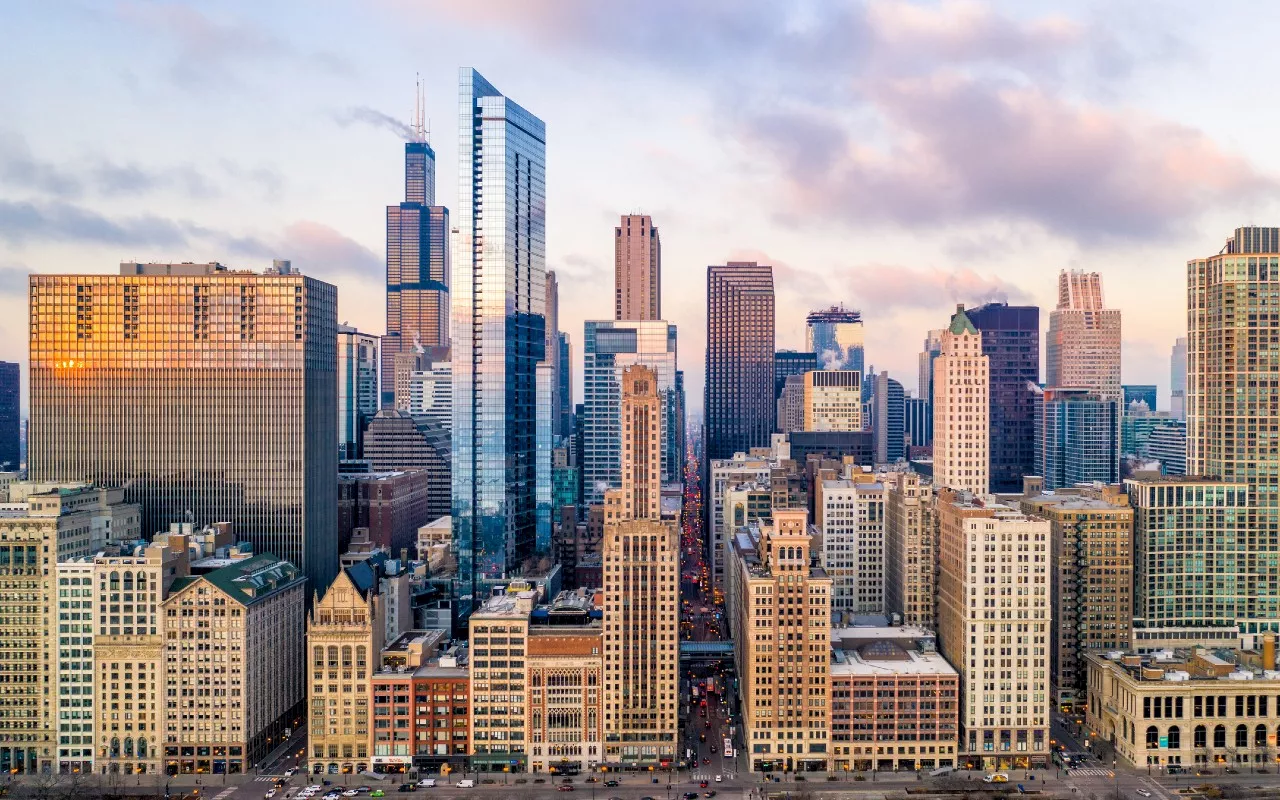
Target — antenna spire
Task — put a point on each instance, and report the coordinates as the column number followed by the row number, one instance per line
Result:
column 419, row 109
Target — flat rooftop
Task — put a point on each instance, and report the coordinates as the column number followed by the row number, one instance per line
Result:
column 850, row 662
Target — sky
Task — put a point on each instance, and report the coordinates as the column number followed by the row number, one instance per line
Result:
column 896, row 157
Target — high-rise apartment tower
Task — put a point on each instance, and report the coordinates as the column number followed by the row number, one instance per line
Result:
column 637, row 269
column 961, row 409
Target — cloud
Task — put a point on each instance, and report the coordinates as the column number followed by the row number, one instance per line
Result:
column 57, row 221
column 13, row 280
column 883, row 287
column 966, row 151
column 208, row 50
column 324, row 252
column 77, row 176
column 372, row 116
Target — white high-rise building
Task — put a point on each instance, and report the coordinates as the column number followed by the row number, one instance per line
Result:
column 1178, row 379
column 1082, row 347
column 431, row 394
column 993, row 625
column 852, row 523
column 961, row 411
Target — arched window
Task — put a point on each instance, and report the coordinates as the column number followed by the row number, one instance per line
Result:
column 128, row 741
column 1175, row 737
column 1153, row 736
column 1199, row 737
column 128, row 581
column 1260, row 736
column 142, row 747
column 1242, row 736
column 333, row 656
column 317, row 653
column 142, row 581
column 115, row 746
column 115, row 581
column 346, row 657
column 1219, row 736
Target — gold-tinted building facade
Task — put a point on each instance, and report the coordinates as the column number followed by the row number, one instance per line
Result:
column 206, row 391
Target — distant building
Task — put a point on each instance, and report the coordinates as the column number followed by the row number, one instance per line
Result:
column 833, row 400
column 1011, row 343
column 961, row 410
column 10, row 416
column 790, row 362
column 432, row 735
column 391, row 505
column 851, row 519
column 836, row 338
column 637, row 269
column 1178, row 379
column 1082, row 348
column 501, row 740
column 889, row 424
column 396, row 441
column 1144, row 393
column 418, row 268
column 859, row 446
column 739, row 408
column 1077, row 438
column 918, row 421
column 431, row 394
column 1168, row 445
column 910, row 549
column 609, row 348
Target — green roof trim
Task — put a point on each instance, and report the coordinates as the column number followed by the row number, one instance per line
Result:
column 960, row 322
column 251, row 579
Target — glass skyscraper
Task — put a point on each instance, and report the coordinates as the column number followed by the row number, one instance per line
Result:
column 834, row 335
column 357, row 388
column 1077, row 439
column 609, row 347
column 1011, row 343
column 209, row 394
column 499, row 336
column 417, row 265
column 10, row 415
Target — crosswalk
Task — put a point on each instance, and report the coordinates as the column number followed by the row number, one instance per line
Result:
column 1091, row 771
column 225, row 793
column 711, row 776
column 266, row 778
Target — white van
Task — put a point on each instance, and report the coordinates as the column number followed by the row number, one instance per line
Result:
column 427, row 783
column 466, row 783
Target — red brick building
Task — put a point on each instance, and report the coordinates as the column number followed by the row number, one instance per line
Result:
column 392, row 505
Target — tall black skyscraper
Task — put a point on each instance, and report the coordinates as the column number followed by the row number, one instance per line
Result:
column 1011, row 343
column 739, row 406
column 417, row 262
column 10, row 415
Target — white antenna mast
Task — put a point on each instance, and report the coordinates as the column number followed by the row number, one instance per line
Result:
column 419, row 110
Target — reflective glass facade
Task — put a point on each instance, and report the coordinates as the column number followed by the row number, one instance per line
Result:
column 739, row 403
column 1011, row 343
column 10, row 415
column 1078, row 438
column 499, row 335
column 418, row 268
column 210, row 394
column 610, row 346
column 357, row 387
column 835, row 336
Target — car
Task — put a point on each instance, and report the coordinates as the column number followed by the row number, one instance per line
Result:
column 377, row 793
column 350, row 793
column 1144, row 793
column 713, row 748
column 363, row 789
column 1231, row 771
column 702, row 784
column 565, row 787
column 719, row 778
column 406, row 787
column 702, row 737
column 590, row 779
column 709, row 793
column 566, row 780
column 612, row 782
column 270, row 794
column 288, row 773
column 996, row 777
column 690, row 796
